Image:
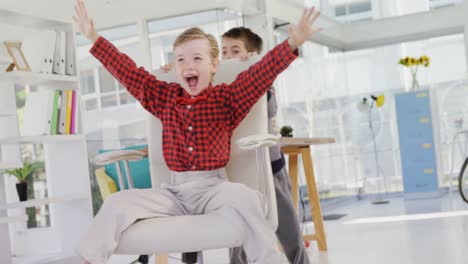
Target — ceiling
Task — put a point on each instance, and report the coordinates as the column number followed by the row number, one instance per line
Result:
column 108, row 13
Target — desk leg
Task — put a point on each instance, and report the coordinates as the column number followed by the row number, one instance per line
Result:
column 294, row 179
column 314, row 198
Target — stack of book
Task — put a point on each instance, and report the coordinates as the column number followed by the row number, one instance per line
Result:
column 51, row 112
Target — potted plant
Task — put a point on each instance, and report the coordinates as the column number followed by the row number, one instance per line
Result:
column 22, row 175
column 286, row 131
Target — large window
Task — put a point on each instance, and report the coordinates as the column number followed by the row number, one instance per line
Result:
column 358, row 10
column 163, row 32
column 99, row 89
column 353, row 11
column 319, row 92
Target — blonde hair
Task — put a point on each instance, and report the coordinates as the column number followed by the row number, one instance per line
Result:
column 197, row 33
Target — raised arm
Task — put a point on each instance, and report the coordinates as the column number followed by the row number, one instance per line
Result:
column 84, row 22
column 251, row 84
column 151, row 93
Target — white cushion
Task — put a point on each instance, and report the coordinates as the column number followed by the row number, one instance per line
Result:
column 178, row 234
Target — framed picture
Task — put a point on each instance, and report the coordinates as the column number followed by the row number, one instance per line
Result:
column 19, row 61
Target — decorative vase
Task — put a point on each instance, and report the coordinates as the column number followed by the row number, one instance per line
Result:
column 415, row 83
column 22, row 189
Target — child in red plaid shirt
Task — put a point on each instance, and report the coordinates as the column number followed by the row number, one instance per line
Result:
column 198, row 121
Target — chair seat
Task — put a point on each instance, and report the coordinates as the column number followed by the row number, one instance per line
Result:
column 177, row 234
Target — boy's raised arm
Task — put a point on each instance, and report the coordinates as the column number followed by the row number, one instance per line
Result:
column 251, row 84
column 150, row 92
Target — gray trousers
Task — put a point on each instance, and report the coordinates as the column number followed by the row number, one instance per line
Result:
column 196, row 192
column 289, row 233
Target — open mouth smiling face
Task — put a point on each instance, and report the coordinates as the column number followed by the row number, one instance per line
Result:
column 194, row 65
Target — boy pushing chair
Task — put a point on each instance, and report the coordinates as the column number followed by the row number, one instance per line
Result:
column 196, row 156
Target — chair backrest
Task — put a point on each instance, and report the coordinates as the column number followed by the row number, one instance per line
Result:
column 242, row 166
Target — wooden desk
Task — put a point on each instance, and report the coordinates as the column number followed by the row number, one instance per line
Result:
column 293, row 147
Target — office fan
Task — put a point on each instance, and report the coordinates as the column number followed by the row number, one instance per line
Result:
column 362, row 122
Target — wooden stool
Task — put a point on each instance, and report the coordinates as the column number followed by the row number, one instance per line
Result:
column 293, row 147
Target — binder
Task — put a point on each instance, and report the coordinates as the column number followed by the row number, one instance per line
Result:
column 63, row 113
column 38, row 113
column 73, row 113
column 68, row 112
column 55, row 113
column 38, row 48
column 76, row 111
column 70, row 68
column 60, row 53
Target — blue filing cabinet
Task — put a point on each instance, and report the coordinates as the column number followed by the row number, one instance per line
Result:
column 417, row 151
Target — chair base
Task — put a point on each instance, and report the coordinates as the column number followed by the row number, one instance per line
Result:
column 144, row 259
column 189, row 257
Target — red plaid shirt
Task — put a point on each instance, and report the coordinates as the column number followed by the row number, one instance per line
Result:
column 196, row 132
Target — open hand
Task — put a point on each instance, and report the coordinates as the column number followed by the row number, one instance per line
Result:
column 144, row 151
column 84, row 22
column 167, row 67
column 304, row 29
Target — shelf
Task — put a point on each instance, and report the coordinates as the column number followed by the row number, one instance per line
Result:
column 31, row 78
column 10, row 165
column 39, row 202
column 40, row 139
column 13, row 219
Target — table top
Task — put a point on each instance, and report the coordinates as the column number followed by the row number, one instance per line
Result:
column 305, row 142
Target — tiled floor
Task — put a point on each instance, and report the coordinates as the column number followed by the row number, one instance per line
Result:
column 438, row 240
column 429, row 241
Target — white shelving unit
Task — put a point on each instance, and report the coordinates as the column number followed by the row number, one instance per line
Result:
column 10, row 165
column 44, row 201
column 13, row 219
column 31, row 78
column 65, row 158
column 40, row 139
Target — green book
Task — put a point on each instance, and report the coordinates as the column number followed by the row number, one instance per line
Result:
column 55, row 112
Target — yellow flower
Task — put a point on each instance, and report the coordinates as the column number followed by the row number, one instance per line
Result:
column 426, row 60
column 411, row 61
column 407, row 61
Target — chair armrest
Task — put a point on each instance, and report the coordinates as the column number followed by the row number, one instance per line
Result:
column 258, row 140
column 118, row 155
